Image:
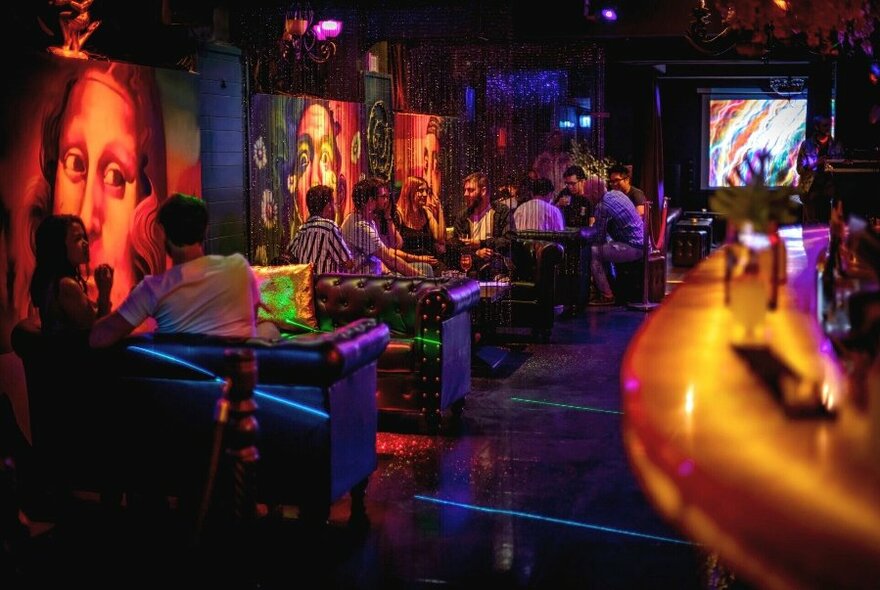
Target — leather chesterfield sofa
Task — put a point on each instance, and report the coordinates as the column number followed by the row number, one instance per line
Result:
column 532, row 300
column 572, row 280
column 142, row 418
column 426, row 367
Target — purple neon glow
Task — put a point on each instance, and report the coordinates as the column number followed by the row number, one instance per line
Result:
column 631, row 385
column 330, row 28
column 686, row 467
column 545, row 85
column 739, row 128
column 609, row 14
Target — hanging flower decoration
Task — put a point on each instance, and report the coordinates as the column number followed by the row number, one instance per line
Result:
column 825, row 26
column 260, row 153
column 268, row 209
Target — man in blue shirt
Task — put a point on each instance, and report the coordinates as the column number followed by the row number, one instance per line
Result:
column 619, row 232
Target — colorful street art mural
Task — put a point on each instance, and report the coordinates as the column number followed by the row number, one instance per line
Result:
column 297, row 143
column 106, row 141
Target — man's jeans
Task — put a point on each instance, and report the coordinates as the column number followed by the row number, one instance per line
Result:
column 609, row 252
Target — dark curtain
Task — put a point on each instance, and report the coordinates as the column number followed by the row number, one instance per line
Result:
column 652, row 167
column 397, row 64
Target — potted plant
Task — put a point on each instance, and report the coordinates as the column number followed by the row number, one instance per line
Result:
column 755, row 254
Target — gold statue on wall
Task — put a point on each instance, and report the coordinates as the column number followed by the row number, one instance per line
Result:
column 76, row 26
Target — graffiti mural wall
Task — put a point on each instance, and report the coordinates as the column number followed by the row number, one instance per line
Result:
column 106, row 141
column 297, row 143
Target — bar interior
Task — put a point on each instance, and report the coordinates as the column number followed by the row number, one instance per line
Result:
column 416, row 294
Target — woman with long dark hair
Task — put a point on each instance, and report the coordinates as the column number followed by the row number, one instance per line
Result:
column 58, row 288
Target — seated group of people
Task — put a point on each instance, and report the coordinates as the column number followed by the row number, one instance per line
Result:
column 410, row 239
column 615, row 216
column 218, row 295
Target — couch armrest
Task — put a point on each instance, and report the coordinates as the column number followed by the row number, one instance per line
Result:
column 460, row 295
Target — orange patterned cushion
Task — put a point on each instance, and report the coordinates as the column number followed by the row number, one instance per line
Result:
column 287, row 296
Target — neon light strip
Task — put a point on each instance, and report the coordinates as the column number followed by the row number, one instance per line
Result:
column 203, row 371
column 569, row 406
column 427, row 340
column 176, row 360
column 574, row 523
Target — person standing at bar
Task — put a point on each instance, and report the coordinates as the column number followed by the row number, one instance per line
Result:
column 816, row 182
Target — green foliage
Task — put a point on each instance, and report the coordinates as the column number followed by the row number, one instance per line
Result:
column 592, row 164
column 755, row 202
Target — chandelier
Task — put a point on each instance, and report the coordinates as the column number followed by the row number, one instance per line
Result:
column 756, row 27
column 304, row 38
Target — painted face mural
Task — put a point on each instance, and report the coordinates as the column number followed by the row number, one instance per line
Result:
column 105, row 141
column 98, row 172
column 317, row 156
column 299, row 143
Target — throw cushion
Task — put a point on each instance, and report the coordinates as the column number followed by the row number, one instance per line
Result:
column 287, row 295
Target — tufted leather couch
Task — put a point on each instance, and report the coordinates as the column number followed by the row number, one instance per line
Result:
column 426, row 367
column 530, row 305
column 573, row 271
column 143, row 417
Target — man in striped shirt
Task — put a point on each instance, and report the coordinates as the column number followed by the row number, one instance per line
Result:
column 619, row 235
column 319, row 239
column 537, row 213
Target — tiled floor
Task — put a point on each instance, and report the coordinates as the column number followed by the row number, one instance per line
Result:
column 531, row 489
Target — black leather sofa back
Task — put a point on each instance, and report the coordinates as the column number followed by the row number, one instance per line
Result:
column 573, row 271
column 145, row 420
column 533, row 286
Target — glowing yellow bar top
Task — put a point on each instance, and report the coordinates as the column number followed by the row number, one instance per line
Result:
column 785, row 502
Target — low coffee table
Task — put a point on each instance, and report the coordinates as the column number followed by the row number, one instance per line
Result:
column 485, row 318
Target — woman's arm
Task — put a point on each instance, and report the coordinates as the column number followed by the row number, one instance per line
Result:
column 76, row 306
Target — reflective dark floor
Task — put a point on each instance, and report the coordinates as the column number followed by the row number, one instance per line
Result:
column 531, row 489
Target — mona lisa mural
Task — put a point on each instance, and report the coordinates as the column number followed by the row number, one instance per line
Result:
column 106, row 141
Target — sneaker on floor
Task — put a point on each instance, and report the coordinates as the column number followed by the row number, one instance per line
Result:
column 601, row 300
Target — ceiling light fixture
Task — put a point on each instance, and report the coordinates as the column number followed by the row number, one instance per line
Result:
column 303, row 37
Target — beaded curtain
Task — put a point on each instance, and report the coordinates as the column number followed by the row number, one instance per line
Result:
column 501, row 102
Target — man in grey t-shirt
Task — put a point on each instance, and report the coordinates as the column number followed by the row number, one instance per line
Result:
column 619, row 180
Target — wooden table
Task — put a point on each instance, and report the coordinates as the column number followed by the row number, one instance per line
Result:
column 785, row 502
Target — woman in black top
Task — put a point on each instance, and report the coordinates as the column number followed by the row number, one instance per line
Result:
column 421, row 218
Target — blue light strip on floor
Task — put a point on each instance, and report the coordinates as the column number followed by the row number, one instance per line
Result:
column 203, row 371
column 574, row 523
column 568, row 406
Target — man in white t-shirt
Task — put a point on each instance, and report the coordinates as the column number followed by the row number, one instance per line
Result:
column 199, row 294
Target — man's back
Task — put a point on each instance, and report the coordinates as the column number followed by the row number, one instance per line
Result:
column 616, row 218
column 320, row 242
column 212, row 295
column 537, row 214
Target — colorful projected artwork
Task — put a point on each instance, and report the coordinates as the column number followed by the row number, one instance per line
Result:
column 102, row 140
column 739, row 128
column 297, row 143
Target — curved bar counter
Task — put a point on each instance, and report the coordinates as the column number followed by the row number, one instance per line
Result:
column 786, row 502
